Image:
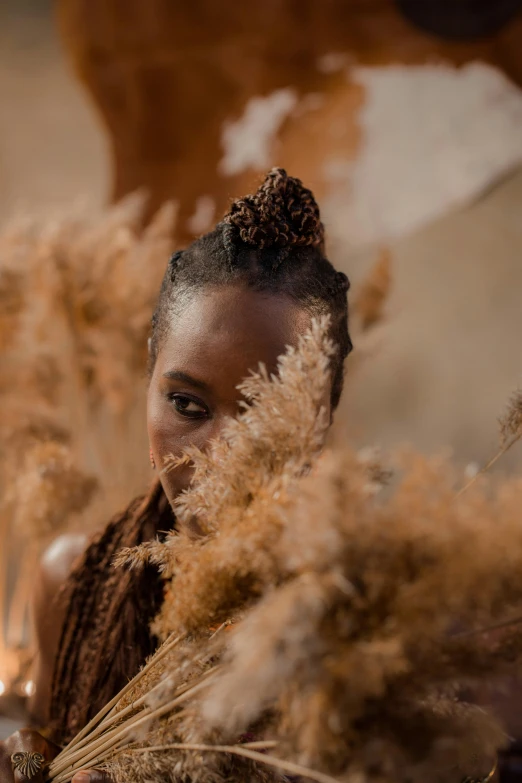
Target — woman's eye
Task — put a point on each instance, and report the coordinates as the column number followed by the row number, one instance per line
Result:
column 188, row 407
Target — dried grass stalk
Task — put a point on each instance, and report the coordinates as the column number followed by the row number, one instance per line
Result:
column 511, row 421
column 510, row 425
column 368, row 306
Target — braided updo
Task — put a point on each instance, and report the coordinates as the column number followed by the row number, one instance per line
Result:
column 272, row 241
column 283, row 213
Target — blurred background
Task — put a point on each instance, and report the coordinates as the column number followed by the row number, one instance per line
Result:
column 125, row 129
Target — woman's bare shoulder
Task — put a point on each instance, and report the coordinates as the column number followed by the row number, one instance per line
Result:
column 54, row 568
column 59, row 558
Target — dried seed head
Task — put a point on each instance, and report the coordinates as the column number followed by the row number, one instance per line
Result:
column 371, row 300
column 49, row 491
column 511, row 421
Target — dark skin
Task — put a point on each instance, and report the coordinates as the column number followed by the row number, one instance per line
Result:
column 219, row 338
column 220, row 335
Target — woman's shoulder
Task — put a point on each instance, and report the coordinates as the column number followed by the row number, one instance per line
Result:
column 59, row 558
column 55, row 565
column 65, row 559
column 65, row 551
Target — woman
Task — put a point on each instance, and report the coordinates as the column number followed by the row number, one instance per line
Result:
column 236, row 297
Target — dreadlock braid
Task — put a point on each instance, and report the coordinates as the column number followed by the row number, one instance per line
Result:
column 105, row 637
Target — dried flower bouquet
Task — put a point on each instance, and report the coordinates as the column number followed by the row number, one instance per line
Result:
column 317, row 628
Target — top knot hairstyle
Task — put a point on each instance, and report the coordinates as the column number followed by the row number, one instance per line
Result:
column 273, row 241
column 283, row 213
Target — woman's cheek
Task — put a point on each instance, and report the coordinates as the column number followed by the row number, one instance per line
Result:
column 169, row 436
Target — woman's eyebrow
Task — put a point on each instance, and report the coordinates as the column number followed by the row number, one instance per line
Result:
column 177, row 375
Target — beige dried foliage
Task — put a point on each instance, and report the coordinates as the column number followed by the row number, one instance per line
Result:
column 361, row 627
column 358, row 617
column 510, row 426
column 11, row 304
column 83, row 294
column 76, row 298
column 48, row 492
column 511, row 421
column 372, row 296
column 368, row 317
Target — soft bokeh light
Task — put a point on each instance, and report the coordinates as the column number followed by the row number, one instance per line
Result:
column 28, row 688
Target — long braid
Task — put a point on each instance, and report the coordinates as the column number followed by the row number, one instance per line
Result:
column 105, row 636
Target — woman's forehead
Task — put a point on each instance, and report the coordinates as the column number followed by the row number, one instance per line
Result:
column 233, row 328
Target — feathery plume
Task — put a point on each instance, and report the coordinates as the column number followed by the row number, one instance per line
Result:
column 355, row 620
column 76, row 297
column 368, row 306
column 511, row 421
column 49, row 491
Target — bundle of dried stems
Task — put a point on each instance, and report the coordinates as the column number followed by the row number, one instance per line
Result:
column 315, row 627
column 76, row 296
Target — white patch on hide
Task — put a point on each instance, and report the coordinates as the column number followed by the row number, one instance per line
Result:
column 248, row 142
column 433, row 138
column 203, row 217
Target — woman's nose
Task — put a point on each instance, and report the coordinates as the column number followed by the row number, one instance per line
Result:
column 216, row 428
column 219, row 421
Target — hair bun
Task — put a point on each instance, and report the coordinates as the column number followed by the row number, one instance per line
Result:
column 283, row 214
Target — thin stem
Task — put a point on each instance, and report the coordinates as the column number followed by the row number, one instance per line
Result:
column 487, row 628
column 82, row 759
column 490, row 464
column 82, row 754
column 260, row 744
column 180, row 690
column 108, row 709
column 118, row 716
column 166, row 708
column 88, row 743
column 241, row 750
column 61, row 763
column 68, row 775
column 157, row 657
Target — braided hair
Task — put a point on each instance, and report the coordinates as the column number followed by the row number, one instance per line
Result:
column 105, row 636
column 272, row 241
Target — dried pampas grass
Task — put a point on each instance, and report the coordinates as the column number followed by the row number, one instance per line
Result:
column 76, row 297
column 510, row 426
column 372, row 296
column 354, row 619
column 48, row 491
column 511, row 421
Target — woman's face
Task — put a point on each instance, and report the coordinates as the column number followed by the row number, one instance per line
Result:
column 220, row 335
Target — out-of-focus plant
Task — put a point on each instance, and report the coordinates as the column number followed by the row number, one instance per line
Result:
column 76, row 297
